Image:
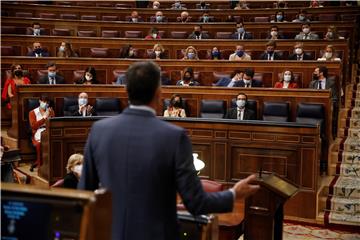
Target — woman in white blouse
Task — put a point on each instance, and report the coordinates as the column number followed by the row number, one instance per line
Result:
column 175, row 107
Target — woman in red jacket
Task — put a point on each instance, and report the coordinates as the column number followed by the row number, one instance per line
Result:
column 286, row 80
column 17, row 78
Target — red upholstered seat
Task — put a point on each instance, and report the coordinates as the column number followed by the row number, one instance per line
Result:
column 68, row 16
column 110, row 33
column 89, row 33
column 99, row 52
column 133, row 34
column 7, row 51
column 47, row 15
column 8, row 30
column 61, row 32
column 327, row 17
column 24, row 14
column 223, row 35
column 178, row 35
column 110, row 18
column 88, row 17
column 261, row 19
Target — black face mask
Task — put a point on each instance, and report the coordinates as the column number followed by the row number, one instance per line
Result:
column 177, row 104
column 187, row 78
column 315, row 77
column 18, row 73
column 197, row 33
column 38, row 50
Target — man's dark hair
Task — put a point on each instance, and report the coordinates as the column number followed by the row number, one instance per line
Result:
column 50, row 64
column 36, row 23
column 324, row 70
column 249, row 72
column 236, row 71
column 44, row 98
column 142, row 81
column 243, row 94
column 274, row 26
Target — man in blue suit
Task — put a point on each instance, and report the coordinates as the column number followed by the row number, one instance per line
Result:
column 144, row 161
column 233, row 81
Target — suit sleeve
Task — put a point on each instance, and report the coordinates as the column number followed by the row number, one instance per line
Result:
column 89, row 179
column 189, row 186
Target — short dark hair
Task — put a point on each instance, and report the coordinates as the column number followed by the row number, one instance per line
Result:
column 143, row 79
column 274, row 26
column 236, row 71
column 44, row 98
column 243, row 95
column 50, row 64
column 249, row 72
column 36, row 23
column 324, row 70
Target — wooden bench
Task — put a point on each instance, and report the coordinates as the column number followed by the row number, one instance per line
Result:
column 230, row 149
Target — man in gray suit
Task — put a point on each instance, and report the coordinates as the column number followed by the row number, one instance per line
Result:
column 144, row 161
column 321, row 81
column 306, row 33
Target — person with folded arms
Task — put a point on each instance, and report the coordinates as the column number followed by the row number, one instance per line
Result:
column 239, row 54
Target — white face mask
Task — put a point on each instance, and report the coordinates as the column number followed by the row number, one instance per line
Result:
column 78, row 169
column 328, row 55
column 61, row 48
column 287, row 78
column 37, row 31
column 298, row 51
column 306, row 30
column 240, row 103
column 154, row 35
column 157, row 53
column 247, row 81
column 88, row 77
column 274, row 33
column 131, row 53
column 82, row 101
column 43, row 105
column 134, row 19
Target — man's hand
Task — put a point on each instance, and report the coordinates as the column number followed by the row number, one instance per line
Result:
column 244, row 188
column 89, row 110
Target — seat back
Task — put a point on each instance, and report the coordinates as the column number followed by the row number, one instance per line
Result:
column 58, row 183
column 110, row 18
column 312, row 113
column 110, row 33
column 89, row 17
column 133, row 34
column 223, row 35
column 89, row 33
column 107, row 106
column 276, row 111
column 211, row 186
column 47, row 15
column 178, row 35
column 261, row 19
column 99, row 52
column 212, row 108
column 68, row 16
column 61, row 32
column 7, row 51
column 70, row 105
column 78, row 74
column 24, row 14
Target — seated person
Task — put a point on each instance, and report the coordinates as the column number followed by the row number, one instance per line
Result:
column 329, row 55
column 190, row 54
column 233, row 81
column 84, row 109
column 321, row 81
column 52, row 77
column 239, row 54
column 158, row 52
column 175, row 107
column 38, row 51
column 121, row 80
column 184, row 17
column 286, row 80
column 89, row 77
column 203, row 5
column 156, row 5
column 240, row 32
column 332, row 34
column 153, row 34
column 248, row 80
column 134, row 17
column 240, row 112
column 242, row 4
column 35, row 30
column 198, row 34
column 270, row 53
column 215, row 54
column 301, row 17
column 37, row 119
column 178, row 6
column 73, row 170
column 279, row 16
column 127, row 51
column 281, row 4
column 299, row 54
column 205, row 18
column 306, row 33
column 9, row 90
column 159, row 17
column 65, row 50
column 274, row 33
column 188, row 78
column 315, row 4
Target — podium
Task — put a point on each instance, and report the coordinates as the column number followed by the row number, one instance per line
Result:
column 264, row 211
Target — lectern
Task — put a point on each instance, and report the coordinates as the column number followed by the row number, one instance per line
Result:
column 264, row 211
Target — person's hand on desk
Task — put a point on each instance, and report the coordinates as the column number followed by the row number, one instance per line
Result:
column 244, row 188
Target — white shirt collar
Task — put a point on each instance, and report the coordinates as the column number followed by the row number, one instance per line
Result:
column 143, row 108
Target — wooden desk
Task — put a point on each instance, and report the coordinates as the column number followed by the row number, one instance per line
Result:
column 230, row 149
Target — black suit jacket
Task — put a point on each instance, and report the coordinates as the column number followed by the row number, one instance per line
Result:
column 264, row 56
column 45, row 79
column 70, row 181
column 248, row 114
column 246, row 35
column 305, row 57
column 254, row 83
column 330, row 84
column 144, row 175
column 203, row 36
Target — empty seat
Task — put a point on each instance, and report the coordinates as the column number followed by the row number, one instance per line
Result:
column 110, row 33
column 223, row 35
column 276, row 111
column 61, row 32
column 104, row 4
column 312, row 113
column 8, row 30
column 99, row 52
column 178, row 35
column 327, row 17
column 261, row 19
column 7, row 51
column 47, row 15
column 88, row 17
column 212, row 108
column 107, row 106
column 118, row 73
column 110, row 18
column 133, row 34
column 70, row 105
column 68, row 16
column 89, row 33
column 211, row 186
column 24, row 14
column 123, row 5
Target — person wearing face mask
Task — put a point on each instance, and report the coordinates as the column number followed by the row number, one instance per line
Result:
column 215, row 54
column 37, row 119
column 239, row 54
column 35, row 30
column 175, row 107
column 134, row 17
column 329, row 54
column 89, row 77
column 233, row 81
column 38, row 51
column 65, row 50
column 332, row 34
column 248, row 80
column 184, row 17
column 84, row 108
column 306, row 33
column 156, row 5
column 73, row 171
column 178, row 5
column 241, row 111
column 279, row 17
column 286, row 80
column 301, row 17
column 274, row 33
column 190, row 54
column 321, row 81
column 202, row 5
column 153, row 34
column 188, row 78
column 299, row 54
column 270, row 53
column 17, row 78
column 198, row 33
column 127, row 51
column 241, row 33
column 158, row 18
column 158, row 52
column 205, row 18
column 52, row 77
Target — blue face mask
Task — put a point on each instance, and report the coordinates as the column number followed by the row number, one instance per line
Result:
column 206, row 18
column 38, row 50
column 279, row 17
column 241, row 30
column 301, row 18
column 216, row 54
column 191, row 55
column 158, row 18
column 52, row 74
column 240, row 53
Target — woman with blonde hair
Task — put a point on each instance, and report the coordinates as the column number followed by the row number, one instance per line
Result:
column 329, row 54
column 158, row 52
column 73, row 170
column 65, row 50
column 190, row 54
column 287, row 80
column 175, row 107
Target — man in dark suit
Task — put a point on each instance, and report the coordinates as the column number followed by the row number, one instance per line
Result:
column 198, row 34
column 38, row 51
column 144, row 175
column 52, row 77
column 248, row 80
column 299, row 54
column 205, row 18
column 84, row 109
column 241, row 32
column 270, row 53
column 240, row 112
column 233, row 81
column 321, row 81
